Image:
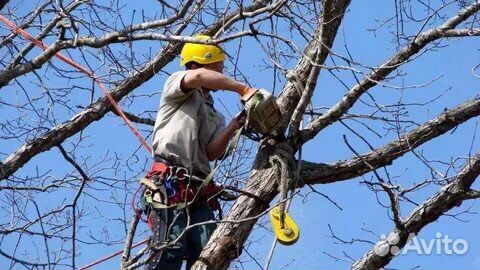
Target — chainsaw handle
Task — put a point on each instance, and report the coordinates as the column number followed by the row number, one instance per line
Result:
column 241, row 114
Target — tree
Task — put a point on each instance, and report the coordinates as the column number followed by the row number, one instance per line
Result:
column 44, row 116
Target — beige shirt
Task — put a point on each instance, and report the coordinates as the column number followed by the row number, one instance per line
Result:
column 185, row 124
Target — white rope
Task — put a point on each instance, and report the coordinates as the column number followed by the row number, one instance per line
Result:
column 285, row 202
column 283, row 159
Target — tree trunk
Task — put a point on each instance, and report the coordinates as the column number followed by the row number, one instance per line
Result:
column 227, row 242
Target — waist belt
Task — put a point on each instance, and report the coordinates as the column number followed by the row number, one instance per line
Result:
column 170, row 187
column 159, row 159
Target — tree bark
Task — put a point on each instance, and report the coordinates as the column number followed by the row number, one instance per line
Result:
column 3, row 3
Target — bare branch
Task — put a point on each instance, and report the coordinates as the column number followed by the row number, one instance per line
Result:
column 462, row 33
column 343, row 170
column 450, row 196
column 334, row 113
column 327, row 31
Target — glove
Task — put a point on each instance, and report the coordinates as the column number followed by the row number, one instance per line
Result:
column 247, row 94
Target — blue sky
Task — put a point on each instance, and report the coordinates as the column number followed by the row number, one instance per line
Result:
column 361, row 210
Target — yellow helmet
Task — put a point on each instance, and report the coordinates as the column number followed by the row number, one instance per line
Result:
column 201, row 53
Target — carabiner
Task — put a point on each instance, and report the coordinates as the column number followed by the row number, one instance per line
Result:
column 169, row 186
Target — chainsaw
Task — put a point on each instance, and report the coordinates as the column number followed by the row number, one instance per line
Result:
column 262, row 112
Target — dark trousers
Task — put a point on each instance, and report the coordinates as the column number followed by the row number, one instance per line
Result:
column 191, row 244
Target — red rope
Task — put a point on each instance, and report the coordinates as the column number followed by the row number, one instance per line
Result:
column 138, row 211
column 110, row 256
column 112, row 101
column 67, row 60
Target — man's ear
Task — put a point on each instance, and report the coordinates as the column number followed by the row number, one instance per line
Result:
column 193, row 65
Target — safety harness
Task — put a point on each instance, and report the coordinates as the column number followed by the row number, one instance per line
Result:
column 172, row 187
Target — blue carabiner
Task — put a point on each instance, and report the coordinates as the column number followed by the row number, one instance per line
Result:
column 169, row 186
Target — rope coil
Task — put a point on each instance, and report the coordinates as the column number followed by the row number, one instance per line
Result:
column 283, row 158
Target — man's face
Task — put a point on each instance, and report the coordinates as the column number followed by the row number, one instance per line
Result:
column 217, row 66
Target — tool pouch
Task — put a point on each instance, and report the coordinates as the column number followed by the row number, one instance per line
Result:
column 263, row 112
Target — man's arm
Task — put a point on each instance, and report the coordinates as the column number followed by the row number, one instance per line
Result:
column 213, row 80
column 217, row 147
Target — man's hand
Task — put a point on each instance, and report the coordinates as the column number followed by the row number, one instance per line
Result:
column 217, row 147
column 238, row 121
column 247, row 93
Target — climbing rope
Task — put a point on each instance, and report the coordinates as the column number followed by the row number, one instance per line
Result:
column 285, row 152
column 111, row 256
column 283, row 158
column 109, row 97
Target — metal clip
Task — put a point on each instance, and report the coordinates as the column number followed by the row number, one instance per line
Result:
column 181, row 173
column 170, row 188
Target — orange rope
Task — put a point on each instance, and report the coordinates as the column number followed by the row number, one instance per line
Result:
column 67, row 60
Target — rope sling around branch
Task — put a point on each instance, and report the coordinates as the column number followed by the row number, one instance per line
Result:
column 285, row 205
column 285, row 229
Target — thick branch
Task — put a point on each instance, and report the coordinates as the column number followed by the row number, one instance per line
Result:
column 472, row 194
column 343, row 170
column 462, row 32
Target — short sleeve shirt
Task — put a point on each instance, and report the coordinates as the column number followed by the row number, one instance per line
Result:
column 186, row 123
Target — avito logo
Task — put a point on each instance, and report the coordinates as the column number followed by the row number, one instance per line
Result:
column 441, row 244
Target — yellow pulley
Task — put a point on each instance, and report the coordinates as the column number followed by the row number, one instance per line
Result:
column 285, row 229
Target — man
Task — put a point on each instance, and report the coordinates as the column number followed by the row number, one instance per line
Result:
column 188, row 134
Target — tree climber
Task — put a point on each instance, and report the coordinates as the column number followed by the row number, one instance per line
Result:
column 189, row 133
